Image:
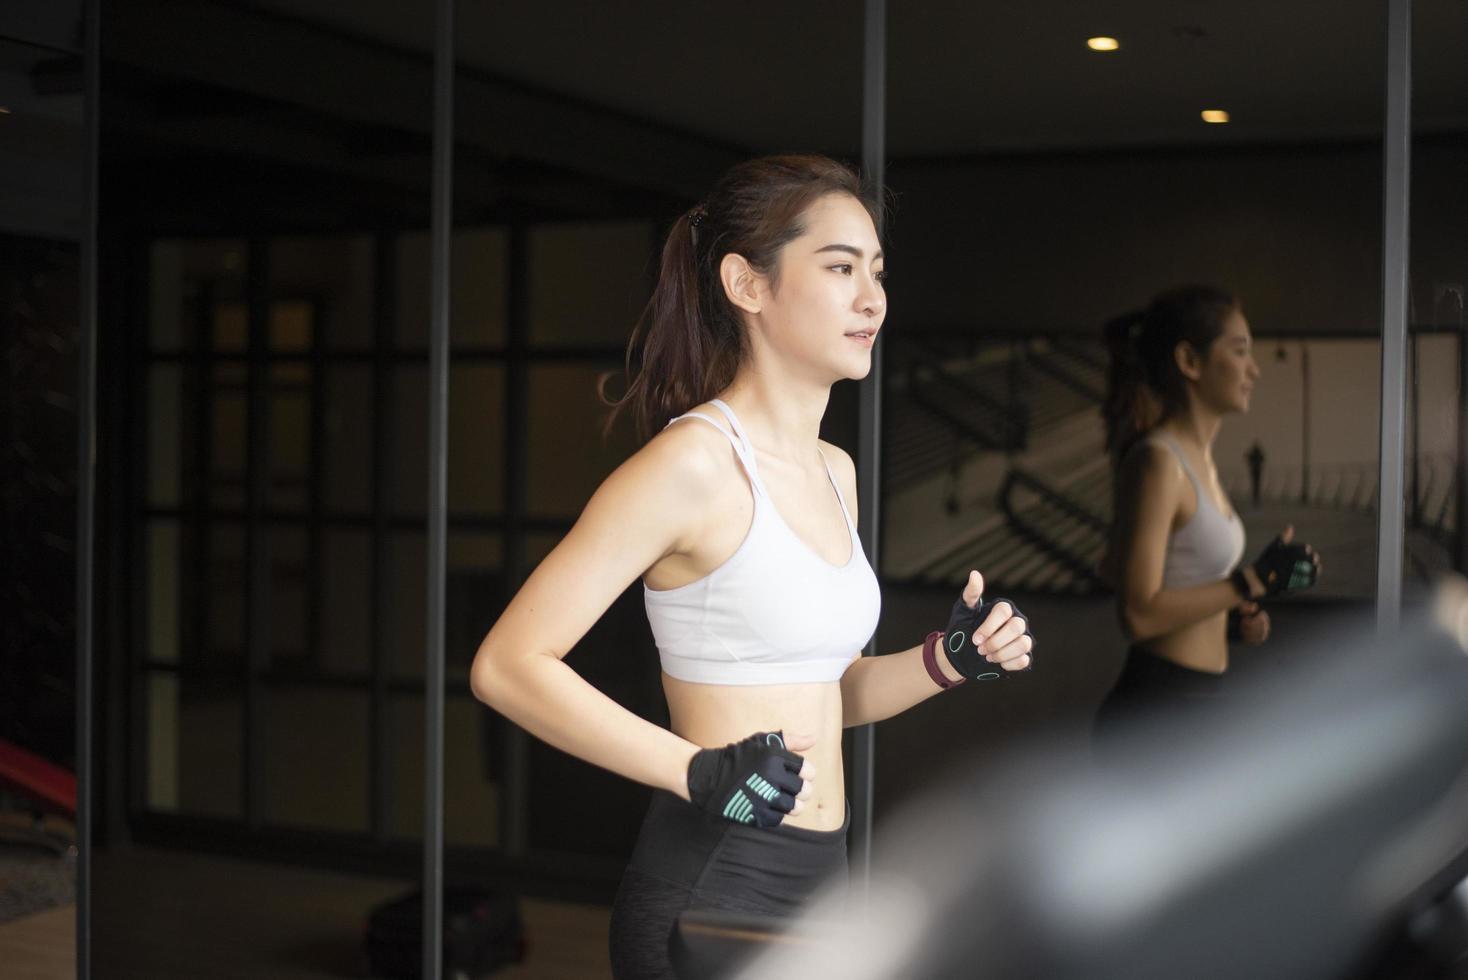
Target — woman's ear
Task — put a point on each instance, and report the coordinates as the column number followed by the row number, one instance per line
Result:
column 742, row 284
column 1188, row 361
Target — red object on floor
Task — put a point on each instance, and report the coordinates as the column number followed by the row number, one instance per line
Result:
column 44, row 783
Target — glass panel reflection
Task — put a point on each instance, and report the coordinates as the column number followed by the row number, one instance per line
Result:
column 316, row 766
column 194, row 743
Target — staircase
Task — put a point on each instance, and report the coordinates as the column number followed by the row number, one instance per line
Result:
column 989, row 447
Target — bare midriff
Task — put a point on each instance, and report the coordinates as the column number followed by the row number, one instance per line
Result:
column 1199, row 646
column 713, row 715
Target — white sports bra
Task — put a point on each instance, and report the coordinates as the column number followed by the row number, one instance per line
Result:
column 1209, row 545
column 775, row 612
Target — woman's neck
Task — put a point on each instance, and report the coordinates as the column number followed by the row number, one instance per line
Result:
column 782, row 414
column 1197, row 426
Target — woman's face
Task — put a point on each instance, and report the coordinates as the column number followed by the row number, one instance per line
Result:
column 1228, row 373
column 825, row 307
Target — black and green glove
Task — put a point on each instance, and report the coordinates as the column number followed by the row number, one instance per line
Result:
column 754, row 780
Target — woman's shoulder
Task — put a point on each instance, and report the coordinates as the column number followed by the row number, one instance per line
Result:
column 839, row 460
column 1150, row 459
column 692, row 454
column 675, row 480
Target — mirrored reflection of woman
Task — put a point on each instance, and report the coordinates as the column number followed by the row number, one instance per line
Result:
column 740, row 522
column 1178, row 369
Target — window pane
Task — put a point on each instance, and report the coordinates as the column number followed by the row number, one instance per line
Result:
column 403, row 619
column 476, row 439
column 478, row 302
column 348, row 609
column 567, row 453
column 480, row 295
column 589, row 282
column 337, row 273
column 164, row 580
column 405, row 721
column 165, row 435
column 291, row 585
column 292, row 325
column 183, row 273
column 228, row 448
column 407, row 440
column 223, row 644
column 291, row 436
column 350, row 407
column 316, row 764
column 473, row 743
column 194, row 745
column 231, row 327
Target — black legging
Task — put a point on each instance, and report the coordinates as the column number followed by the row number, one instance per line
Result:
column 1149, row 685
column 688, row 859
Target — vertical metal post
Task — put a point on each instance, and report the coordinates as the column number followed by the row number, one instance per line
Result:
column 317, row 382
column 441, row 228
column 86, row 492
column 384, row 278
column 1460, row 555
column 259, row 569
column 869, row 427
column 1305, row 422
column 1397, row 140
column 1414, row 495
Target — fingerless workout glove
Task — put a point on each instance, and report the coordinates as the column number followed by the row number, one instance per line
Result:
column 751, row 781
column 1285, row 567
column 958, row 642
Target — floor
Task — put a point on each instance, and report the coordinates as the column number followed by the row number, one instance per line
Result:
column 40, row 946
column 159, row 915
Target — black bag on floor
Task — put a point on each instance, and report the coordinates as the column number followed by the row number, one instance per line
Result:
column 482, row 932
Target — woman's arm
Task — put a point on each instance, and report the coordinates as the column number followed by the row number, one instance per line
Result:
column 1151, row 491
column 644, row 511
column 876, row 688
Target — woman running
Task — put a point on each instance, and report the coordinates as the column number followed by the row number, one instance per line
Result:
column 1177, row 369
column 740, row 523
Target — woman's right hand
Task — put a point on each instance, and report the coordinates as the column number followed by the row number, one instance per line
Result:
column 756, row 780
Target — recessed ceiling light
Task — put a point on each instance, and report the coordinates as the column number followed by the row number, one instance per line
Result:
column 4, row 110
column 1102, row 43
column 1215, row 115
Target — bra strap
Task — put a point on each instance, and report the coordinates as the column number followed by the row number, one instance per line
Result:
column 840, row 498
column 748, row 456
column 1203, row 495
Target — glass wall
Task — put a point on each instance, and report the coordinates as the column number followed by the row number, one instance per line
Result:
column 1438, row 287
column 1058, row 167
column 265, row 312
column 43, row 155
column 264, row 288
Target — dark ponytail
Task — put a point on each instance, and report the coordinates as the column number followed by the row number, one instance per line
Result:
column 690, row 341
column 1144, row 384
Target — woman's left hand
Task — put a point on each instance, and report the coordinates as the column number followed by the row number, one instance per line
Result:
column 1253, row 624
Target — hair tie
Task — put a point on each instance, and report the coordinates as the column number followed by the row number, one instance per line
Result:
column 696, row 216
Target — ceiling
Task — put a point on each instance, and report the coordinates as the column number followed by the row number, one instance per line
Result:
column 963, row 78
